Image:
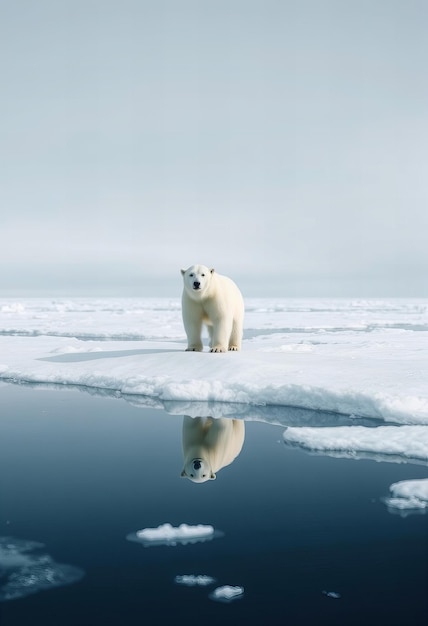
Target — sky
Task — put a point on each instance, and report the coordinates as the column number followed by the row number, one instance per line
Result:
column 282, row 142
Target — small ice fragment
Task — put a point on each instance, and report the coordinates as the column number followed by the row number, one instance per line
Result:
column 168, row 535
column 168, row 532
column 332, row 594
column 227, row 593
column 192, row 581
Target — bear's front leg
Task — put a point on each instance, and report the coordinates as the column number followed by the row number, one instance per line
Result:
column 192, row 320
column 220, row 338
column 194, row 342
column 195, row 348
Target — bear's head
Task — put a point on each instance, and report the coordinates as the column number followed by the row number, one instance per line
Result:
column 198, row 471
column 197, row 279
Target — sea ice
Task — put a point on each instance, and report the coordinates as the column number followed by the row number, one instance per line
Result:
column 227, row 593
column 332, row 594
column 409, row 495
column 366, row 358
column 381, row 443
column 168, row 535
column 190, row 580
column 331, row 358
column 167, row 531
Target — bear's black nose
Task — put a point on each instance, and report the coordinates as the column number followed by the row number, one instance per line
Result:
column 197, row 465
column 196, row 284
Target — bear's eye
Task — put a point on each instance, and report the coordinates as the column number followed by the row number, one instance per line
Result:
column 202, row 274
column 191, row 275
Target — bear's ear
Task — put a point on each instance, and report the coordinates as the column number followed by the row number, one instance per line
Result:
column 212, row 270
column 213, row 476
column 183, row 473
column 183, row 272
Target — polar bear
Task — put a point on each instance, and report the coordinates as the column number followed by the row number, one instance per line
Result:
column 209, row 445
column 215, row 300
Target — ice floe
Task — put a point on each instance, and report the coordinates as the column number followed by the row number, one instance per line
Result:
column 168, row 535
column 227, row 593
column 365, row 358
column 408, row 495
column 384, row 443
column 192, row 580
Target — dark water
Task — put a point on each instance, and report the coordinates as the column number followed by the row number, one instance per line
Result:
column 78, row 473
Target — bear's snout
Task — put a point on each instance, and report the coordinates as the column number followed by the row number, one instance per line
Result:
column 196, row 465
column 196, row 284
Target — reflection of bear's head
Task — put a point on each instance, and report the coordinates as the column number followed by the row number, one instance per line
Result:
column 198, row 471
column 197, row 279
column 209, row 445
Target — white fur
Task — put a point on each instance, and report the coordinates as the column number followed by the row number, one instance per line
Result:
column 216, row 301
column 209, row 445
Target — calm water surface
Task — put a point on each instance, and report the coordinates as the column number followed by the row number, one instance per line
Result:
column 80, row 472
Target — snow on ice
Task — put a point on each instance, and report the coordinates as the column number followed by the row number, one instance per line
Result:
column 382, row 444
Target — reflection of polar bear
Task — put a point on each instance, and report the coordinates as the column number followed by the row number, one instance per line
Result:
column 210, row 444
column 215, row 300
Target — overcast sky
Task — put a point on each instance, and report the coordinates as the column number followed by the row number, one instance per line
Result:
column 284, row 143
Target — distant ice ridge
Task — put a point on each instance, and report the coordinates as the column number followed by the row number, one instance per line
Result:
column 25, row 569
column 168, row 535
column 409, row 495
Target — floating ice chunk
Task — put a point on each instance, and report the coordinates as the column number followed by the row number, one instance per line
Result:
column 190, row 580
column 382, row 443
column 411, row 489
column 409, row 495
column 166, row 534
column 332, row 594
column 227, row 593
column 166, row 531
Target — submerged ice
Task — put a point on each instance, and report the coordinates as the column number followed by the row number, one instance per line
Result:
column 26, row 569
